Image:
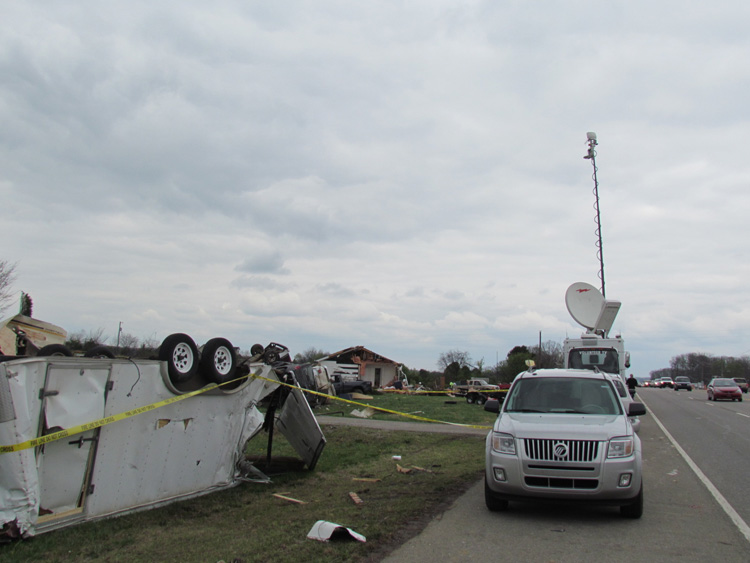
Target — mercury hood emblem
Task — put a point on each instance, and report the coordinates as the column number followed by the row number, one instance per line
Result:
column 561, row 450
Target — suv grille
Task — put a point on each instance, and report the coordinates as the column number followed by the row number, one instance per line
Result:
column 561, row 450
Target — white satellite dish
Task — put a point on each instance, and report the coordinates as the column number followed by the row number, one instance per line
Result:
column 607, row 316
column 584, row 303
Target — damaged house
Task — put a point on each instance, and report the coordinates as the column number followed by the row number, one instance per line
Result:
column 364, row 364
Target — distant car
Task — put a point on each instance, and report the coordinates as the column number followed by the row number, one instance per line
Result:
column 665, row 382
column 563, row 434
column 682, row 382
column 742, row 384
column 723, row 388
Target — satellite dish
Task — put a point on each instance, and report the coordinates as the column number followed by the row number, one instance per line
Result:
column 607, row 316
column 584, row 303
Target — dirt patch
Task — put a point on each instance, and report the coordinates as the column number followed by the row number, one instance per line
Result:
column 415, row 526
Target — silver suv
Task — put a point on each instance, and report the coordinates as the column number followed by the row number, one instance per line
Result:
column 563, row 434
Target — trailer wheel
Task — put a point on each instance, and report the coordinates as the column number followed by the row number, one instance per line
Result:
column 181, row 355
column 271, row 356
column 54, row 350
column 218, row 360
column 257, row 349
column 99, row 352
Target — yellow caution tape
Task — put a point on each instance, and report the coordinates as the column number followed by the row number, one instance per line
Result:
column 389, row 411
column 110, row 419
column 447, row 392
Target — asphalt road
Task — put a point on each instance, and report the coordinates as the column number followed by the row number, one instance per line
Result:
column 682, row 520
column 714, row 434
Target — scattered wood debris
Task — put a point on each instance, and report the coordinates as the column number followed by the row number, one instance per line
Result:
column 412, row 469
column 290, row 499
column 355, row 498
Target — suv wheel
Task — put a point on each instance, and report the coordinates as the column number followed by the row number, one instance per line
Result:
column 493, row 503
column 634, row 509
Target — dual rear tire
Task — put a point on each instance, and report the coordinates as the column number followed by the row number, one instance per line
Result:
column 217, row 363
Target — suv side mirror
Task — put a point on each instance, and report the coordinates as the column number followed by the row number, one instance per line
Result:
column 492, row 405
column 636, row 409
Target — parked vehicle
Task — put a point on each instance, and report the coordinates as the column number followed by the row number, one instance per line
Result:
column 563, row 434
column 682, row 382
column 742, row 384
column 477, row 391
column 342, row 385
column 723, row 388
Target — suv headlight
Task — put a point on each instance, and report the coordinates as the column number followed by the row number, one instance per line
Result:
column 503, row 443
column 620, row 447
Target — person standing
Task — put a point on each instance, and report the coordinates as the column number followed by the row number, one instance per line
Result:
column 632, row 383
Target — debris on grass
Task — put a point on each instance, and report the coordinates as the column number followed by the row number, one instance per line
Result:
column 290, row 499
column 366, row 479
column 355, row 497
column 412, row 469
column 325, row 531
column 364, row 413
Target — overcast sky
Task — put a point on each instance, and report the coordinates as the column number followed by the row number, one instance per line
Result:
column 407, row 176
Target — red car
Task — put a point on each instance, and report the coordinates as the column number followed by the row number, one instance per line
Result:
column 723, row 388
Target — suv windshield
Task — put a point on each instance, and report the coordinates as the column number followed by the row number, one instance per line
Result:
column 573, row 395
column 605, row 359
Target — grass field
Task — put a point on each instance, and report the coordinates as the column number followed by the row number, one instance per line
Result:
column 247, row 523
column 432, row 406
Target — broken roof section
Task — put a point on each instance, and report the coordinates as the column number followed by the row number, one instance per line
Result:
column 357, row 355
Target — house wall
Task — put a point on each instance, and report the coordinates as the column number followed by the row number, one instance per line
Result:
column 387, row 373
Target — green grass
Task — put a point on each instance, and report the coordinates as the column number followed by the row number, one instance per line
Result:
column 435, row 407
column 247, row 523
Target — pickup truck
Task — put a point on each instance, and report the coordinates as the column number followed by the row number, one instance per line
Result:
column 350, row 385
column 478, row 391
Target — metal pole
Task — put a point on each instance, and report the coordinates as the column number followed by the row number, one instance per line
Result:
column 591, row 155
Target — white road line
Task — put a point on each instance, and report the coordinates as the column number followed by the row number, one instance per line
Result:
column 731, row 512
column 743, row 414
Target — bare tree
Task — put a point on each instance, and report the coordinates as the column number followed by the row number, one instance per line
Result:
column 309, row 355
column 82, row 340
column 128, row 344
column 550, row 355
column 454, row 356
column 7, row 277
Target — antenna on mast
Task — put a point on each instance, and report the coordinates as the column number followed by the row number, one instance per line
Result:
column 591, row 155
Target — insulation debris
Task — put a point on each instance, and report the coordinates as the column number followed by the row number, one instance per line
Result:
column 325, row 531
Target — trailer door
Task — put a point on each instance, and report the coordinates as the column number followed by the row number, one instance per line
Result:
column 71, row 396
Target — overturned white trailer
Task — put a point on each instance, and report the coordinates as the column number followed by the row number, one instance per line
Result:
column 83, row 438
